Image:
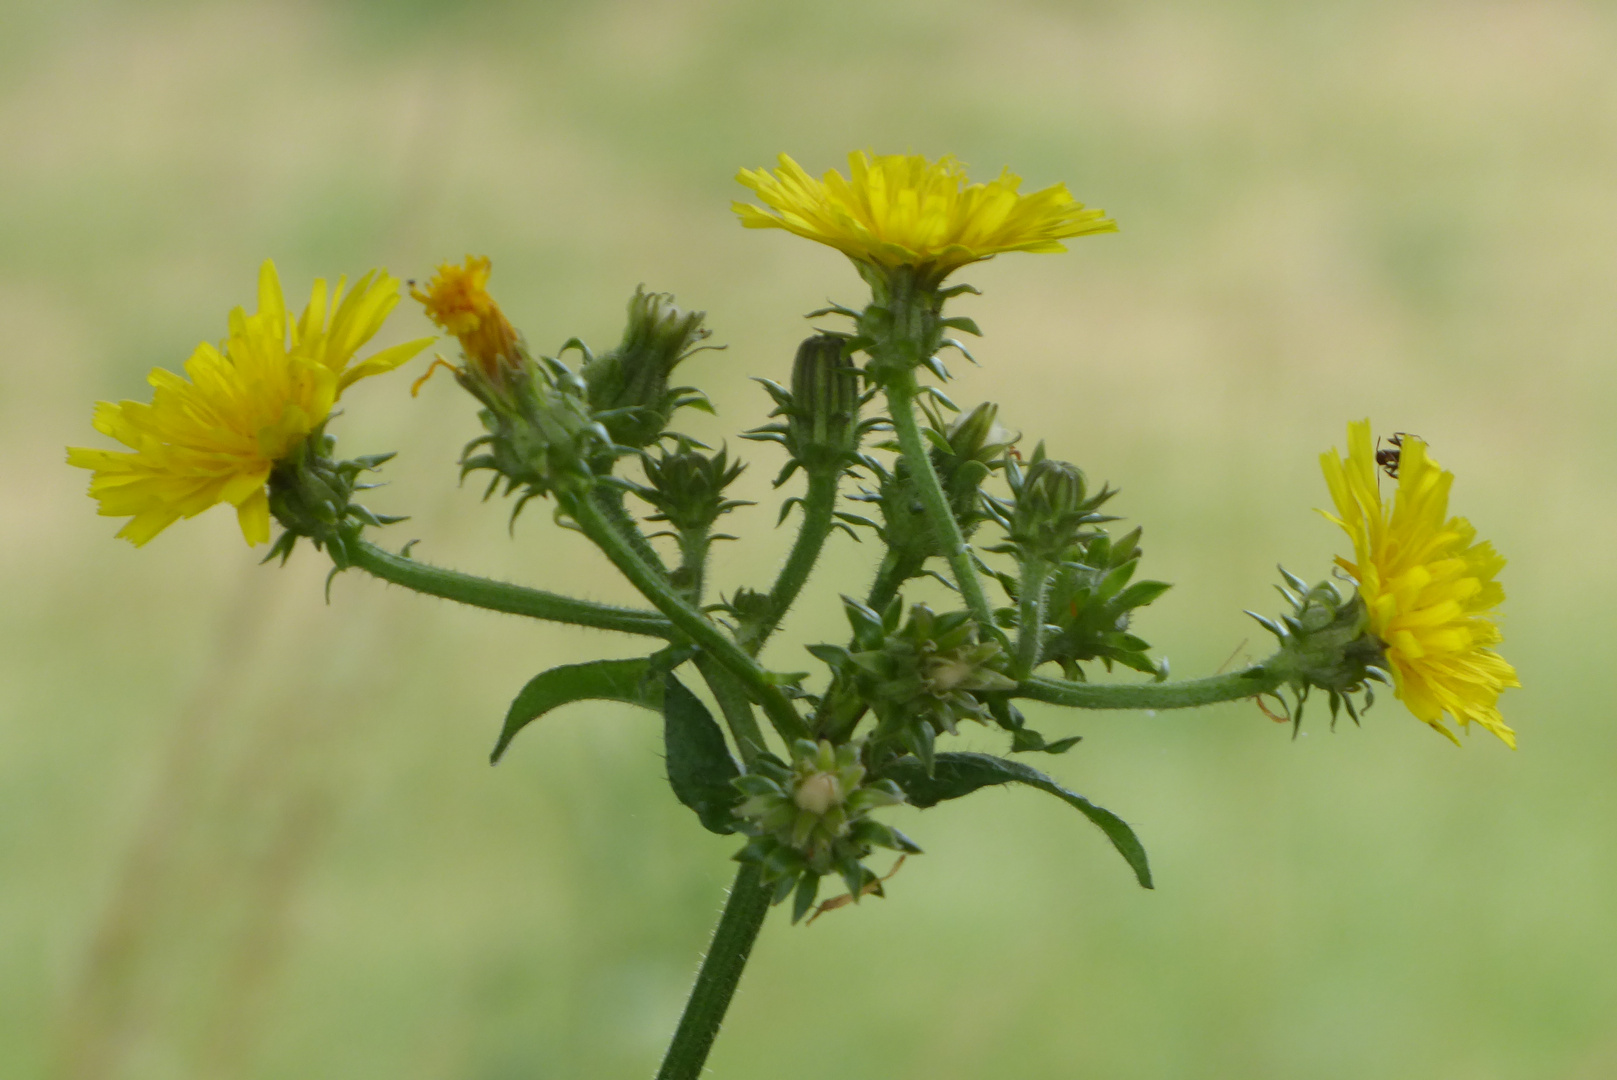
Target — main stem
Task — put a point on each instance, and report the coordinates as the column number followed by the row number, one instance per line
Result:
column 716, row 982
column 503, row 596
column 698, row 627
column 901, row 392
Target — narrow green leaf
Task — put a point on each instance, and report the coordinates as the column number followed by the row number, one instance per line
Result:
column 600, row 680
column 1141, row 593
column 957, row 774
column 700, row 767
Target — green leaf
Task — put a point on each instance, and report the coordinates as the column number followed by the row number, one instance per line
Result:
column 957, row 774
column 600, row 680
column 1141, row 593
column 700, row 767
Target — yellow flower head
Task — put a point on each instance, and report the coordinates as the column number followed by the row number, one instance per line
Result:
column 1427, row 584
column 902, row 210
column 215, row 435
column 457, row 299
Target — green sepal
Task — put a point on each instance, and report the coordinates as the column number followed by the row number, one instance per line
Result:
column 700, row 768
column 628, row 681
column 808, row 887
column 955, row 774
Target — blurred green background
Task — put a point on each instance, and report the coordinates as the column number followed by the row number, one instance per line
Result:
column 245, row 834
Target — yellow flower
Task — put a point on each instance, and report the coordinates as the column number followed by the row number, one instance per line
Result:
column 902, row 210
column 457, row 299
column 214, row 437
column 1427, row 584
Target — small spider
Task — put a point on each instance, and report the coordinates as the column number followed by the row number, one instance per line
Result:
column 1388, row 459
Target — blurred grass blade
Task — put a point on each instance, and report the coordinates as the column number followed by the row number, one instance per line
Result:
column 960, row 774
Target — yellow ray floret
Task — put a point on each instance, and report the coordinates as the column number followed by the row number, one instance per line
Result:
column 901, row 210
column 1427, row 583
column 213, row 435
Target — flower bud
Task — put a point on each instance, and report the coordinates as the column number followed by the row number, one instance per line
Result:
column 809, row 818
column 628, row 387
column 921, row 679
column 820, row 428
column 1051, row 508
column 818, row 793
column 687, row 486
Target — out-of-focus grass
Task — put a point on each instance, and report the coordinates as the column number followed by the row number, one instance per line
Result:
column 245, row 834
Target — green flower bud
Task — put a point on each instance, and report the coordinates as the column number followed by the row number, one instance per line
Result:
column 822, row 430
column 1090, row 601
column 1326, row 644
column 628, row 387
column 820, row 426
column 1050, row 508
column 923, row 678
column 809, row 818
column 687, row 486
column 312, row 496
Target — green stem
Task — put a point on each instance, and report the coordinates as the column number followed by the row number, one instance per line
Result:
column 716, row 982
column 692, row 573
column 735, row 706
column 698, row 627
column 818, row 503
column 901, row 392
column 1248, row 682
column 1030, row 615
column 890, row 577
column 609, row 500
column 503, row 596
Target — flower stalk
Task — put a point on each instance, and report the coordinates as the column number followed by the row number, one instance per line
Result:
column 901, row 393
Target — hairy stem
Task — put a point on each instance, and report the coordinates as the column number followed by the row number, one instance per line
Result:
column 696, row 626
column 890, row 577
column 692, row 573
column 503, row 596
column 1231, row 686
column 609, row 500
column 735, row 705
column 716, row 982
column 818, row 504
column 901, row 393
column 1030, row 615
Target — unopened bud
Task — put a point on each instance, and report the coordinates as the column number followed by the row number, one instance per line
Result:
column 818, row 793
column 628, row 387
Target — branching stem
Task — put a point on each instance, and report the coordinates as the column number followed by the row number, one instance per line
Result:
column 1232, row 686
column 698, row 627
column 503, row 596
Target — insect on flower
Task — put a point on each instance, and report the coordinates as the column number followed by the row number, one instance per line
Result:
column 1388, row 459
